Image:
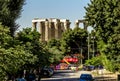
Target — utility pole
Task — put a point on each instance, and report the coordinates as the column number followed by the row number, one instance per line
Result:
column 81, row 51
column 93, row 37
column 93, row 46
column 88, row 46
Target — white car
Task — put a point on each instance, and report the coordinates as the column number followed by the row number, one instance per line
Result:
column 72, row 67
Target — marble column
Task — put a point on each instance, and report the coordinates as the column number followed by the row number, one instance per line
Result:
column 85, row 25
column 76, row 24
column 34, row 26
column 62, row 26
column 57, row 29
column 46, row 30
column 42, row 31
column 66, row 25
column 60, row 29
column 50, row 31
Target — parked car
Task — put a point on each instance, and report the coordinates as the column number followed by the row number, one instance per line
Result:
column 88, row 68
column 86, row 77
column 72, row 67
column 47, row 72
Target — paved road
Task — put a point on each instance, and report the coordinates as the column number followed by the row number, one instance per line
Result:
column 68, row 75
column 64, row 75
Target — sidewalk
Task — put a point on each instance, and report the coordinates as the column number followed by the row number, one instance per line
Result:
column 99, row 77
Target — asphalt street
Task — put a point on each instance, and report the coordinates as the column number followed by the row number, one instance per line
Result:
column 64, row 75
column 68, row 75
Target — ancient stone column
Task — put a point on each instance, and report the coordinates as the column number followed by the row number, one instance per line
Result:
column 52, row 30
column 60, row 30
column 34, row 24
column 50, row 34
column 62, row 26
column 46, row 30
column 56, row 23
column 85, row 25
column 66, row 25
column 42, row 31
column 76, row 24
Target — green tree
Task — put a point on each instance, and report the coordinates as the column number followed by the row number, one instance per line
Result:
column 74, row 41
column 101, row 60
column 55, row 55
column 12, row 57
column 9, row 11
column 54, row 43
column 94, row 61
column 65, row 47
column 104, row 16
column 5, row 38
column 31, row 40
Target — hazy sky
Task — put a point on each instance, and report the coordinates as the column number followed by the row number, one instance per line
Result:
column 61, row 9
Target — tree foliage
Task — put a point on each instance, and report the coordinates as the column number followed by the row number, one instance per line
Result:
column 45, row 54
column 10, row 10
column 94, row 61
column 5, row 38
column 54, row 43
column 12, row 57
column 30, row 39
column 55, row 55
column 74, row 40
column 104, row 16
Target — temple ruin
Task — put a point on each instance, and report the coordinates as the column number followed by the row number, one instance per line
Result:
column 50, row 28
column 77, row 22
column 53, row 28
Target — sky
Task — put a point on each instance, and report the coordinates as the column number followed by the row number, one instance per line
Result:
column 60, row 9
